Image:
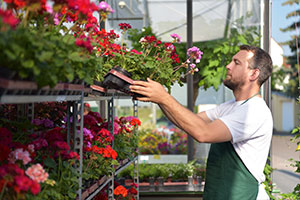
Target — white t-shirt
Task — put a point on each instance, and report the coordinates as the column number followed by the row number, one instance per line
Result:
column 251, row 127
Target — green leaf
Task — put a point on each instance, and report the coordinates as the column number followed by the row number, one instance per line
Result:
column 242, row 39
column 36, row 70
column 75, row 56
column 226, row 49
column 46, row 56
column 50, row 163
column 68, row 39
column 213, row 63
column 28, row 64
column 10, row 55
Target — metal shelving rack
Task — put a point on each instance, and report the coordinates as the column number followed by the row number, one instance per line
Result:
column 110, row 96
column 27, row 93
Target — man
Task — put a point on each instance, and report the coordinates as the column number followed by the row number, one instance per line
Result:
column 240, row 129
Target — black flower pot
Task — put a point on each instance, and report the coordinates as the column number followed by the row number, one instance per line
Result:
column 115, row 79
column 119, row 79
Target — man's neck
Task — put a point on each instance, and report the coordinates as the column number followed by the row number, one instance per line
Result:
column 245, row 93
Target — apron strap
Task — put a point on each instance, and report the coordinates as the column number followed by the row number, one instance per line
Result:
column 227, row 178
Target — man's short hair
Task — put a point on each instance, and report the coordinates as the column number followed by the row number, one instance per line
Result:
column 261, row 60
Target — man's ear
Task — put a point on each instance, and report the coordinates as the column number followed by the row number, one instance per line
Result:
column 254, row 74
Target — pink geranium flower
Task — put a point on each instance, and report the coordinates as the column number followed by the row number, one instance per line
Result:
column 19, row 154
column 37, row 173
column 40, row 143
column 103, row 6
column 195, row 53
column 176, row 38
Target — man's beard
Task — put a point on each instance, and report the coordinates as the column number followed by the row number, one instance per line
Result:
column 231, row 85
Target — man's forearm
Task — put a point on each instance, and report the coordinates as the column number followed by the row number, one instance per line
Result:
column 169, row 116
column 183, row 117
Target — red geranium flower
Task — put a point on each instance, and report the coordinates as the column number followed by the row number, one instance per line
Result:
column 35, row 187
column 132, row 190
column 124, row 26
column 120, row 190
column 4, row 152
column 135, row 121
column 5, row 134
column 9, row 18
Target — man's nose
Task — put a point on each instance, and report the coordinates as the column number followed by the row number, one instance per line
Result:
column 229, row 65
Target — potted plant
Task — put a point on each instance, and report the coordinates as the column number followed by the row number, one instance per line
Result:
column 157, row 61
column 38, row 41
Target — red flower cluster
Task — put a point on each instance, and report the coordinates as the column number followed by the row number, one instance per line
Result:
column 151, row 39
column 136, row 52
column 135, row 121
column 5, row 135
column 173, row 55
column 8, row 17
column 83, row 6
column 16, row 3
column 132, row 190
column 84, row 42
column 109, row 152
column 104, row 136
column 4, row 152
column 15, row 178
column 97, row 116
column 53, row 143
column 106, row 152
column 120, row 190
column 124, row 26
column 105, row 40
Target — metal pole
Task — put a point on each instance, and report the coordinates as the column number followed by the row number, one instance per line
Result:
column 146, row 15
column 136, row 163
column 266, row 46
column 189, row 76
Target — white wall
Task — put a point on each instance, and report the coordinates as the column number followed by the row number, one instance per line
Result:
column 276, row 53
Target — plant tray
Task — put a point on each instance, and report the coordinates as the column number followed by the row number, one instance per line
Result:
column 119, row 80
column 17, row 87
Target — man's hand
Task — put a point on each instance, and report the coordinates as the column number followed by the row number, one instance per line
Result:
column 152, row 90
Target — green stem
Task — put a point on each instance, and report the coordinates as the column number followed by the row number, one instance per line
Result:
column 122, row 52
column 178, row 67
column 44, row 189
column 2, row 192
column 26, row 18
column 62, row 19
column 59, row 169
column 88, row 164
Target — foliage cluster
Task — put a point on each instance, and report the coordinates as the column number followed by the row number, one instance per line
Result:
column 62, row 40
column 217, row 53
column 177, row 172
column 292, row 87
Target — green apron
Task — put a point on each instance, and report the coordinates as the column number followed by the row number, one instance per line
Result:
column 227, row 178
